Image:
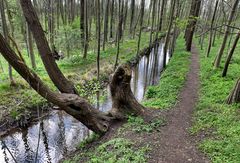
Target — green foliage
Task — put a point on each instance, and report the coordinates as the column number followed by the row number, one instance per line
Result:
column 165, row 94
column 118, row 150
column 213, row 116
column 90, row 139
column 138, row 125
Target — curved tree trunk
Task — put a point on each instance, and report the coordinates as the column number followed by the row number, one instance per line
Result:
column 234, row 96
column 52, row 68
column 99, row 122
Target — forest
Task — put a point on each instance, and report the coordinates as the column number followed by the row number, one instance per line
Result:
column 118, row 81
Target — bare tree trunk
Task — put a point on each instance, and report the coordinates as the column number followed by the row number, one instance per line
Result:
column 234, row 96
column 54, row 72
column 86, row 29
column 153, row 21
column 167, row 39
column 112, row 19
column 119, row 33
column 230, row 54
column 6, row 35
column 211, row 29
column 82, row 30
column 132, row 9
column 226, row 34
column 30, row 47
column 141, row 25
column 105, row 33
column 99, row 122
column 195, row 8
column 98, row 38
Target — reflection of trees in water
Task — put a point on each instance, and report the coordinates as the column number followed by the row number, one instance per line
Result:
column 29, row 154
column 45, row 142
column 62, row 137
column 6, row 159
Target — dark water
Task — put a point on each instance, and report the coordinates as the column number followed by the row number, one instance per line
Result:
column 59, row 133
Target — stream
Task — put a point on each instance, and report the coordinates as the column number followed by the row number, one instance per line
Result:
column 59, row 133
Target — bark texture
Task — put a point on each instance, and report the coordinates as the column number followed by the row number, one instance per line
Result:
column 234, row 96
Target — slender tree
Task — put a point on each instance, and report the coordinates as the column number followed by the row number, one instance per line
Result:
column 211, row 28
column 226, row 34
column 230, row 54
column 194, row 13
column 167, row 38
column 141, row 25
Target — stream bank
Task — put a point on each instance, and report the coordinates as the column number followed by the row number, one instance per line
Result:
column 146, row 71
column 138, row 138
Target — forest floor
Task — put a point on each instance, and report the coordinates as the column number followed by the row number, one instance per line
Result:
column 175, row 142
column 162, row 135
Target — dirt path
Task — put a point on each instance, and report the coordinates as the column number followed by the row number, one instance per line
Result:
column 175, row 144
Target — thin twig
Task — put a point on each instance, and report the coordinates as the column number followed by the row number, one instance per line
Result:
column 14, row 159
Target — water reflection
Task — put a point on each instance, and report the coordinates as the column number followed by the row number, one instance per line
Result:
column 59, row 133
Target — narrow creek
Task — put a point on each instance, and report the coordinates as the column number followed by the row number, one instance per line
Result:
column 59, row 133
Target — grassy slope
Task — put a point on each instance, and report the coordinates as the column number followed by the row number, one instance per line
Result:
column 220, row 121
column 15, row 100
column 122, row 149
column 164, row 95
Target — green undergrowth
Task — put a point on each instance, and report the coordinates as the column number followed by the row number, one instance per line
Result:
column 213, row 117
column 138, row 125
column 164, row 95
column 117, row 150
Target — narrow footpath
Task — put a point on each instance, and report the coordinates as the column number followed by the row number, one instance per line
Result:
column 176, row 145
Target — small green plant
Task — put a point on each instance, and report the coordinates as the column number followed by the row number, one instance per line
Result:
column 118, row 150
column 138, row 125
column 90, row 139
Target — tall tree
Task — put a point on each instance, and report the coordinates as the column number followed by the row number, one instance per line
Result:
column 211, row 28
column 98, row 37
column 82, row 30
column 226, row 34
column 194, row 13
column 167, row 38
column 46, row 54
column 153, row 21
column 132, row 9
column 85, row 29
column 105, row 33
column 6, row 35
column 230, row 54
column 141, row 25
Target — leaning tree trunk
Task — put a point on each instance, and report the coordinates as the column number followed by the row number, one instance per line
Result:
column 226, row 34
column 99, row 122
column 230, row 54
column 46, row 54
column 234, row 96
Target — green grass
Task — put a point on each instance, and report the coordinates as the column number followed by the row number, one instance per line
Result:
column 213, row 116
column 118, row 150
column 165, row 94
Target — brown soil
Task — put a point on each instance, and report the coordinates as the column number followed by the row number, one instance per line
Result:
column 173, row 143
